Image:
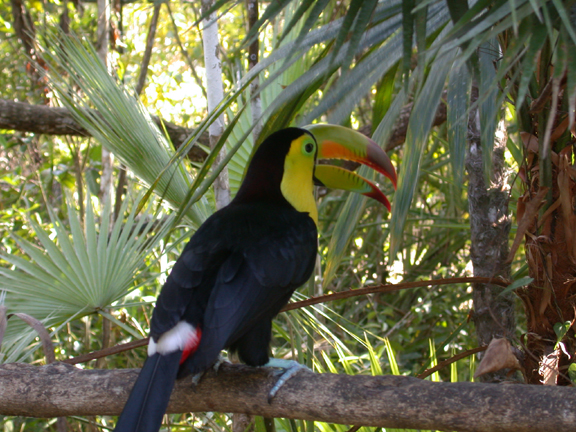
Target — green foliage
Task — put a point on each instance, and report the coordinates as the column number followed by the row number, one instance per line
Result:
column 357, row 63
column 416, row 138
column 80, row 268
column 457, row 101
column 119, row 123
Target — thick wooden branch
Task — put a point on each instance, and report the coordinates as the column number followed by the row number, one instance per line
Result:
column 383, row 401
column 401, row 126
column 41, row 119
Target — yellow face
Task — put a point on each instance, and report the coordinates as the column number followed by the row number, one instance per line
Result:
column 297, row 183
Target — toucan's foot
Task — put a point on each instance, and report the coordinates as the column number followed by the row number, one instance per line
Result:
column 219, row 362
column 289, row 369
column 196, row 378
column 216, row 366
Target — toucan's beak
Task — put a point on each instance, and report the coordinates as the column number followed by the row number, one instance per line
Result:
column 338, row 142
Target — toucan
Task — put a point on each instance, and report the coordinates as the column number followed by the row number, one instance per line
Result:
column 245, row 261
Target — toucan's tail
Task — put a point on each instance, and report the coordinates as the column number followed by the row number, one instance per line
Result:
column 150, row 395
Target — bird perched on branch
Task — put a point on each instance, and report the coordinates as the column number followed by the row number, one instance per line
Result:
column 244, row 262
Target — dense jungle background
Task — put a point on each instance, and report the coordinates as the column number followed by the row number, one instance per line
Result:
column 123, row 123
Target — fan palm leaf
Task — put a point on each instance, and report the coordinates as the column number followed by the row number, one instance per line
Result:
column 79, row 270
column 119, row 121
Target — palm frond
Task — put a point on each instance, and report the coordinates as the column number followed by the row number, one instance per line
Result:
column 119, row 121
column 416, row 136
column 487, row 108
column 457, row 118
column 80, row 270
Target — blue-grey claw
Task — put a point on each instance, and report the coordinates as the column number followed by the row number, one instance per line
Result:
column 290, row 368
column 219, row 362
column 196, row 378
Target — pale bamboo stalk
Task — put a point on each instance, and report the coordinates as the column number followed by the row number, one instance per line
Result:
column 253, row 58
column 102, row 46
column 215, row 89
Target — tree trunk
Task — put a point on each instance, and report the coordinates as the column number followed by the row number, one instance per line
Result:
column 551, row 255
column 214, row 88
column 253, row 54
column 102, row 46
column 490, row 227
column 148, row 51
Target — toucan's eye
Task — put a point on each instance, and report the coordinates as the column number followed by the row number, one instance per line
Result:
column 309, row 148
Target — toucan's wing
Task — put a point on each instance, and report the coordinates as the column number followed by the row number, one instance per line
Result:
column 275, row 242
column 187, row 289
column 256, row 280
column 285, row 252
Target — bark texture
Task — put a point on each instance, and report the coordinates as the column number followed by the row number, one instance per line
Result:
column 148, row 51
column 41, row 119
column 382, row 401
column 23, row 26
column 490, row 228
column 550, row 245
column 102, row 46
column 253, row 58
column 215, row 90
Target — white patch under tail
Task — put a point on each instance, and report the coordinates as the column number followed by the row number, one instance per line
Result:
column 178, row 338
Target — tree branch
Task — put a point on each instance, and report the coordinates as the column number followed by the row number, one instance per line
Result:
column 391, row 288
column 308, row 302
column 382, row 401
column 185, row 53
column 116, row 349
column 398, row 135
column 40, row 119
column 148, row 50
column 46, row 120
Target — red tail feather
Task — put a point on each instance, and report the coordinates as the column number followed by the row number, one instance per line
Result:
column 192, row 345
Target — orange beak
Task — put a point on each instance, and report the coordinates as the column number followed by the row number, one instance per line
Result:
column 338, row 142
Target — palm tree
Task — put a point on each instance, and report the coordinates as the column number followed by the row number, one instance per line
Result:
column 519, row 59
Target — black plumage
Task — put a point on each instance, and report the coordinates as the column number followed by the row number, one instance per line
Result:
column 235, row 274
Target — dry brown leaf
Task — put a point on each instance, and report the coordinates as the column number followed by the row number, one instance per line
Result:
column 521, row 207
column 498, row 356
column 3, row 323
column 559, row 130
column 530, row 162
column 530, row 211
column 573, row 249
column 548, row 212
column 555, row 158
column 565, row 190
column 546, row 298
column 522, row 174
column 530, row 257
column 549, row 367
column 530, row 142
column 566, row 152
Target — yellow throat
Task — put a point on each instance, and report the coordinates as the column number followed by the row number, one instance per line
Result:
column 297, row 182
